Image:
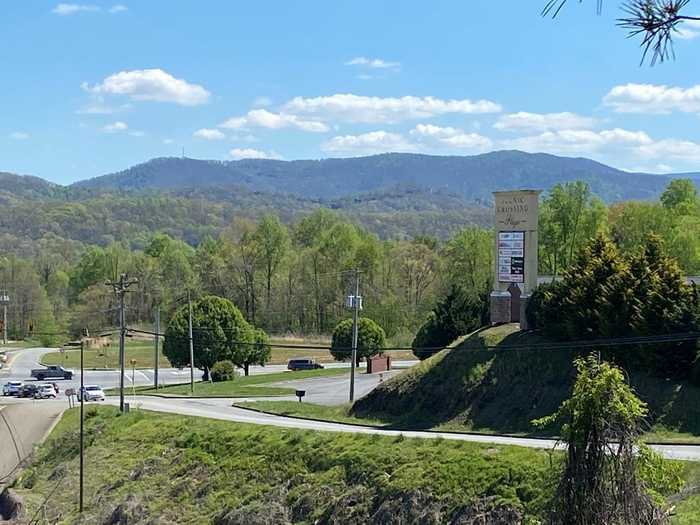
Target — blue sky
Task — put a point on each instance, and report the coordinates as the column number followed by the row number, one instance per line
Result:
column 91, row 88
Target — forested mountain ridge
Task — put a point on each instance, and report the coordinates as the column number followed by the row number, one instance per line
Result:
column 473, row 178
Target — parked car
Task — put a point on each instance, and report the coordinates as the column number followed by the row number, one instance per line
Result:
column 3, row 357
column 27, row 390
column 51, row 372
column 45, row 391
column 303, row 364
column 92, row 393
column 11, row 388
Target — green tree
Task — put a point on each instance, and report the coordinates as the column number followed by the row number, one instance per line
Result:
column 371, row 339
column 469, row 257
column 220, row 332
column 569, row 217
column 602, row 423
column 273, row 242
column 460, row 312
column 681, row 195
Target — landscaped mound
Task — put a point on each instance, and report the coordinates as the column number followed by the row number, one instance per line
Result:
column 499, row 380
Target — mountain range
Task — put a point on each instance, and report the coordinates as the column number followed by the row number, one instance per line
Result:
column 472, row 178
column 393, row 195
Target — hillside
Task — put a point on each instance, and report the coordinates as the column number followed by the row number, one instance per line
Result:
column 196, row 470
column 473, row 178
column 482, row 387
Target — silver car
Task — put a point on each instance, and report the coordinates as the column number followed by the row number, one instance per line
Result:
column 11, row 388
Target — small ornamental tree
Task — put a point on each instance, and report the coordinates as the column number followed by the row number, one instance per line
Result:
column 256, row 353
column 458, row 313
column 371, row 339
column 606, row 295
column 219, row 332
column 601, row 481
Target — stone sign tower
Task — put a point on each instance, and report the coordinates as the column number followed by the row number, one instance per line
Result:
column 516, row 254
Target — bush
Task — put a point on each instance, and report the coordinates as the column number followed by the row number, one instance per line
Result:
column 458, row 313
column 607, row 295
column 371, row 339
column 223, row 371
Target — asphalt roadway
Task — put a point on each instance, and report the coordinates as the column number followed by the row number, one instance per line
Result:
column 222, row 409
column 330, row 390
column 21, row 362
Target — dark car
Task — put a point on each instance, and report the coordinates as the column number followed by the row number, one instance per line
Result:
column 303, row 364
column 28, row 391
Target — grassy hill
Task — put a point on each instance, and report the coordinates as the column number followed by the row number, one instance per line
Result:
column 485, row 384
column 148, row 468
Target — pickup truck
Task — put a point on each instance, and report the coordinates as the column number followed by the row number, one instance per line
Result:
column 52, row 372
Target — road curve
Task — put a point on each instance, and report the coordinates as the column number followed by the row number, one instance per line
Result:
column 221, row 409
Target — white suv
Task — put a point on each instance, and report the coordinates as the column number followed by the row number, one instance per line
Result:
column 45, row 391
column 92, row 393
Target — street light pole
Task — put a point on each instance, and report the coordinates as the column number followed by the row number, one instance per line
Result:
column 355, row 312
column 157, row 352
column 189, row 326
column 82, row 432
column 4, row 300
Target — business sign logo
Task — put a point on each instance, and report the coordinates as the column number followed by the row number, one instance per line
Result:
column 511, row 257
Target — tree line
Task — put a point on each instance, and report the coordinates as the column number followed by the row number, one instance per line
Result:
column 293, row 275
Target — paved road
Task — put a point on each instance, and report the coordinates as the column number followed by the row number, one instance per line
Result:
column 335, row 390
column 21, row 362
column 221, row 409
column 21, row 427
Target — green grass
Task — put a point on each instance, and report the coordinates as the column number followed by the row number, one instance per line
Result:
column 339, row 414
column 175, row 469
column 18, row 345
column 250, row 386
column 475, row 387
column 108, row 357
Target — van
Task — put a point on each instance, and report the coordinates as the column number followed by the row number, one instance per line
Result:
column 303, row 364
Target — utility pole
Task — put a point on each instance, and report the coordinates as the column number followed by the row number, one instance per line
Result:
column 120, row 288
column 4, row 300
column 189, row 326
column 82, row 431
column 157, row 353
column 355, row 312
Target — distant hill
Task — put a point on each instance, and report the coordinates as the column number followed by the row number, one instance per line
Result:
column 473, row 178
column 27, row 187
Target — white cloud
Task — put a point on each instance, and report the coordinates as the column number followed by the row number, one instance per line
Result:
column 373, row 63
column 368, row 143
column 436, row 138
column 115, row 127
column 137, row 133
column 361, row 109
column 168, row 141
column 209, row 134
column 524, row 121
column 151, row 84
column 672, row 149
column 688, row 30
column 19, row 135
column 263, row 118
column 578, row 142
column 71, row 9
column 250, row 153
column 650, row 98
